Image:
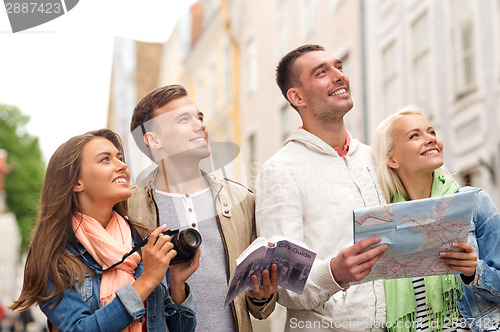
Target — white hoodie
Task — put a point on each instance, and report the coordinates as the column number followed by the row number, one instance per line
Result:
column 307, row 192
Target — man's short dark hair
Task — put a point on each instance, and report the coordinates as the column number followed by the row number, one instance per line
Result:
column 285, row 71
column 145, row 111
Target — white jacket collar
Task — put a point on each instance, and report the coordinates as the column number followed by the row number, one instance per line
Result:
column 315, row 143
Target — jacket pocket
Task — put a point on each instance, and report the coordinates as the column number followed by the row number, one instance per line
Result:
column 85, row 289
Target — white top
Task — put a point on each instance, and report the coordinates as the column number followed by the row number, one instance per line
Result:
column 306, row 192
column 209, row 282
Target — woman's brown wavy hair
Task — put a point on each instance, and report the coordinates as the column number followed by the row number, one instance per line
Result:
column 48, row 257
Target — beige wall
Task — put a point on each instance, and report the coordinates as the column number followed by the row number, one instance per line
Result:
column 465, row 111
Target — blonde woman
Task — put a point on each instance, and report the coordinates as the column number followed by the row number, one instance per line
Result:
column 409, row 160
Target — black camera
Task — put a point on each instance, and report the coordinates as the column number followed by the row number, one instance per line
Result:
column 185, row 243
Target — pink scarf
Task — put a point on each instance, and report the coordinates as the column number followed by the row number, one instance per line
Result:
column 107, row 246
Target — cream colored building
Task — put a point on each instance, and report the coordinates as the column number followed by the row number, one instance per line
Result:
column 136, row 70
column 443, row 56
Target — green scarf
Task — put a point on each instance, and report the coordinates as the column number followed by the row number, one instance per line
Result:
column 440, row 291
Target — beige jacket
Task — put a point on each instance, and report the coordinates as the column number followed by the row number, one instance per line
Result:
column 235, row 207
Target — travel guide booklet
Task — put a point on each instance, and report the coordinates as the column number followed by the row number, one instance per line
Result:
column 294, row 265
column 415, row 232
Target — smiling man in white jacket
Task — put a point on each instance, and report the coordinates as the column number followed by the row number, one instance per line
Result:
column 307, row 192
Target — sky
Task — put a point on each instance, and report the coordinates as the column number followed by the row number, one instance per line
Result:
column 58, row 73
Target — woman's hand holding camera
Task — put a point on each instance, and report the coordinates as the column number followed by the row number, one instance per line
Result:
column 156, row 256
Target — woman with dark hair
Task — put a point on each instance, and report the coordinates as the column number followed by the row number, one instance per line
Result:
column 80, row 268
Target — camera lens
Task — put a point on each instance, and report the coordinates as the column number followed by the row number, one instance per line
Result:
column 190, row 238
column 185, row 243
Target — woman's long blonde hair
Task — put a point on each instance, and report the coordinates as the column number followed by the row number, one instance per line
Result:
column 383, row 144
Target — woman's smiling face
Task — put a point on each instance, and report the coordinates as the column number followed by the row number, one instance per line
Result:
column 104, row 176
column 416, row 147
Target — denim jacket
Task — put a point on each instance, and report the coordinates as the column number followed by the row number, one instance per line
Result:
column 480, row 304
column 79, row 309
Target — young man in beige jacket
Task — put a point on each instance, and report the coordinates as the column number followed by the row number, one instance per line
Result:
column 168, row 127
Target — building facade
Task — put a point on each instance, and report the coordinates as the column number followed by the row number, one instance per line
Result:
column 443, row 56
column 136, row 71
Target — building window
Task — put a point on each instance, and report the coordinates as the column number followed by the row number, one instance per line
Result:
column 336, row 4
column 227, row 73
column 498, row 34
column 346, row 68
column 282, row 24
column 468, row 52
column 251, row 66
column 383, row 2
column 421, row 63
column 308, row 18
column 199, row 93
column 467, row 179
column 285, row 122
column 346, row 64
column 212, row 88
column 463, row 46
column 390, row 79
column 252, row 159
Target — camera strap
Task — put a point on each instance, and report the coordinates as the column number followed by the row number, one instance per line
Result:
column 139, row 242
column 137, row 247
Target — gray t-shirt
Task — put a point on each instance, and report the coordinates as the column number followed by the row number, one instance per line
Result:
column 209, row 282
